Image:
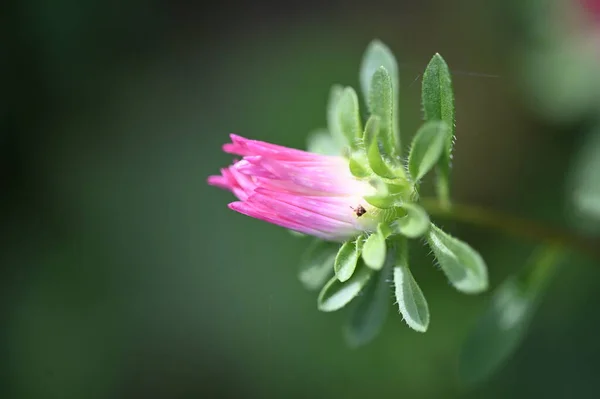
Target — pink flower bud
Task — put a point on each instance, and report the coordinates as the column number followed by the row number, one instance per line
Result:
column 309, row 193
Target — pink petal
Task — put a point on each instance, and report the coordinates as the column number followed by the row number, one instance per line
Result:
column 315, row 178
column 250, row 210
column 253, row 169
column 219, row 181
column 243, row 146
column 301, row 216
column 332, row 207
column 310, row 193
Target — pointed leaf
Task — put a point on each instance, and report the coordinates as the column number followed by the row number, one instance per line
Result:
column 316, row 264
column 379, row 55
column 505, row 321
column 347, row 258
column 414, row 224
column 381, row 103
column 370, row 309
column 438, row 104
column 463, row 266
column 374, row 248
column 376, row 162
column 321, row 142
column 411, row 301
column 335, row 294
column 348, row 116
column 426, row 149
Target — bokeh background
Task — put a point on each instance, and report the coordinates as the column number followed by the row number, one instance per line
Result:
column 125, row 276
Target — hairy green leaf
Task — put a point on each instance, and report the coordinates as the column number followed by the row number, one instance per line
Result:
column 347, row 258
column 382, row 105
column 359, row 165
column 438, row 104
column 463, row 266
column 427, row 147
column 336, row 294
column 374, row 249
column 376, row 56
column 411, row 301
column 414, row 224
column 376, row 162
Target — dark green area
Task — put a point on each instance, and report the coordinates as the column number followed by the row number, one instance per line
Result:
column 125, row 276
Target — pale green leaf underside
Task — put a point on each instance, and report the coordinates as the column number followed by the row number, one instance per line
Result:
column 411, row 301
column 374, row 248
column 463, row 266
column 414, row 224
column 346, row 259
column 335, row 294
column 427, row 147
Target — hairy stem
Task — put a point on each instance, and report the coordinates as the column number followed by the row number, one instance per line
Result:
column 514, row 225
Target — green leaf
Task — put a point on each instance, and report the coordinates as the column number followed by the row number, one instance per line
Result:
column 426, row 149
column 381, row 103
column 358, row 164
column 505, row 321
column 584, row 184
column 414, row 224
column 376, row 162
column 463, row 266
column 373, row 251
column 316, row 264
column 389, row 195
column 369, row 311
column 349, row 116
column 335, row 294
column 379, row 55
column 347, row 258
column 321, row 142
column 438, row 104
column 333, row 123
column 384, row 201
column 411, row 301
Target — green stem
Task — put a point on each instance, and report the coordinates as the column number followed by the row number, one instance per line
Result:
column 513, row 225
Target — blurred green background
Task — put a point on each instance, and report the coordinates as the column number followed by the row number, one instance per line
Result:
column 125, row 276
